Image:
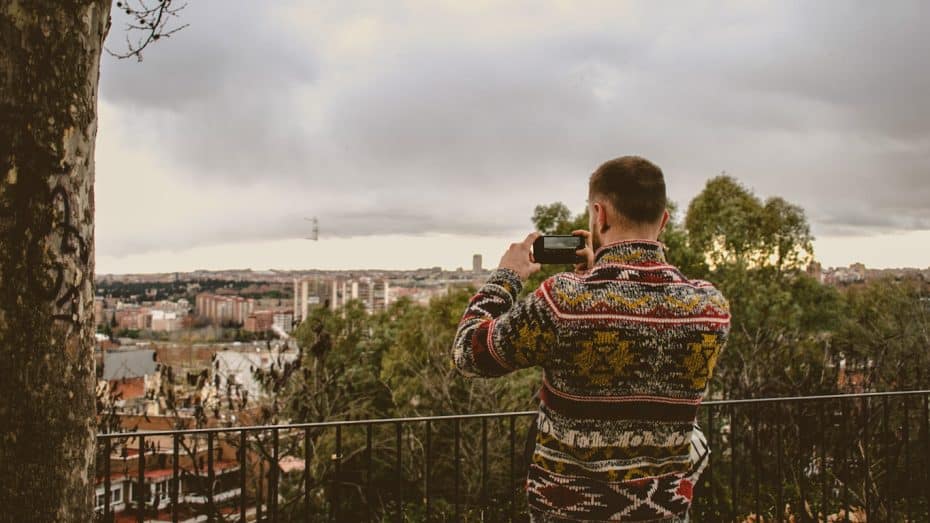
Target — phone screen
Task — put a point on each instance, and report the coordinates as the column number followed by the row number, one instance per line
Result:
column 560, row 242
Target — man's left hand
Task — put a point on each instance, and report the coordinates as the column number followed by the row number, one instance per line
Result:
column 519, row 257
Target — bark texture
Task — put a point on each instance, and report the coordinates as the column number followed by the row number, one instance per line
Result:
column 49, row 68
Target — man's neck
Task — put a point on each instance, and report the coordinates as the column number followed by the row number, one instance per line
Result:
column 616, row 234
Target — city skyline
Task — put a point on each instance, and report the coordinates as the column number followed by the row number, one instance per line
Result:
column 347, row 254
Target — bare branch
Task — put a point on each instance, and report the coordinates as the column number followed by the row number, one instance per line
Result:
column 149, row 23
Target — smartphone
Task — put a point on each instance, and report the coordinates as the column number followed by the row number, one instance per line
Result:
column 558, row 249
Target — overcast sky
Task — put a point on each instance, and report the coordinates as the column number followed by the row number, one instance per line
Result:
column 422, row 132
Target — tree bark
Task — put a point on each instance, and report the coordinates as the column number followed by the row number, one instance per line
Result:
column 49, row 68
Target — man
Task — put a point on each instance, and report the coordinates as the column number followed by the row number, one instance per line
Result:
column 627, row 344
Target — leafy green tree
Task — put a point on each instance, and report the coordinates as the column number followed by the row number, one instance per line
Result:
column 679, row 250
column 733, row 227
column 884, row 334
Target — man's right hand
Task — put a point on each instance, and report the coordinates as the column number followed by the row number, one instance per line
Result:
column 587, row 252
column 519, row 257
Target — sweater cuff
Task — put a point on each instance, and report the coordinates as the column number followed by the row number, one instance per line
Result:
column 508, row 279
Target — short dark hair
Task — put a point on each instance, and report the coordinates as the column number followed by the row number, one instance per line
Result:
column 633, row 185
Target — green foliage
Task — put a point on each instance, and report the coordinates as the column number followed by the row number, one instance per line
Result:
column 418, row 370
column 885, row 334
column 732, row 226
column 678, row 248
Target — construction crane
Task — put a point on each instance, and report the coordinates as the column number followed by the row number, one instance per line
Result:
column 315, row 231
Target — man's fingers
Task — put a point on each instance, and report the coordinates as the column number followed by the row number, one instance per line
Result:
column 581, row 232
column 531, row 237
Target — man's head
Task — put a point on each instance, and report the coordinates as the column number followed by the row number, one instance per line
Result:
column 626, row 201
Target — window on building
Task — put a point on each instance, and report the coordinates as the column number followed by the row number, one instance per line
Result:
column 117, row 495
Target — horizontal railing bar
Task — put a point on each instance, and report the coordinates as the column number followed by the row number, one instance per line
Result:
column 502, row 415
column 814, row 398
column 322, row 424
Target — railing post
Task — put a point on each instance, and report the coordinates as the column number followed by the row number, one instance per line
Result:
column 337, row 469
column 107, row 516
column 907, row 456
column 211, row 478
column 512, row 483
column 712, row 445
column 429, row 437
column 867, row 436
column 140, row 512
column 398, row 472
column 889, row 467
column 734, row 467
column 824, row 497
column 456, row 466
column 243, row 465
column 779, row 500
column 368, row 491
column 306, row 474
column 844, row 447
column 797, row 460
column 926, row 426
column 175, row 477
column 484, row 465
column 260, row 490
column 756, row 465
column 273, row 471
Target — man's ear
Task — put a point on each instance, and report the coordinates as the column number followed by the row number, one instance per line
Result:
column 600, row 217
column 665, row 219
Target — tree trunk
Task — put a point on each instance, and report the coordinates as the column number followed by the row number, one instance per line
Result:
column 49, row 68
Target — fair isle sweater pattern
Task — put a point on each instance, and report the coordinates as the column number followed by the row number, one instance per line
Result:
column 627, row 350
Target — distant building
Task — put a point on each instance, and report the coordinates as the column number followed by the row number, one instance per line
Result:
column 221, row 309
column 259, row 321
column 232, row 371
column 165, row 321
column 309, row 294
column 375, row 295
column 128, row 363
column 476, row 263
column 132, row 317
column 284, row 321
column 99, row 306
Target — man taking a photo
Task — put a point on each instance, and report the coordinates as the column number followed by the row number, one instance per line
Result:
column 627, row 344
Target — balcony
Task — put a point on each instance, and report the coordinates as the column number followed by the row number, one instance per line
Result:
column 855, row 457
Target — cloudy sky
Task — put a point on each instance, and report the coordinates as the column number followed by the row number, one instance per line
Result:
column 422, row 132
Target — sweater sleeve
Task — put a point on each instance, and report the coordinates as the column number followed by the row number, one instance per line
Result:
column 499, row 334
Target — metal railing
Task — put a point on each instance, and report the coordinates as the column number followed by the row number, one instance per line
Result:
column 810, row 458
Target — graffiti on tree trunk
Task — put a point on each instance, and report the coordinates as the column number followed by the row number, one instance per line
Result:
column 69, row 265
column 67, row 293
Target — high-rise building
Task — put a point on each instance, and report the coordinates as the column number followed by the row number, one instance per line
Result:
column 224, row 308
column 375, row 295
column 309, row 293
column 476, row 263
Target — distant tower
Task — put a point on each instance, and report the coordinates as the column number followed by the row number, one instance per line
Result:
column 476, row 263
column 315, row 232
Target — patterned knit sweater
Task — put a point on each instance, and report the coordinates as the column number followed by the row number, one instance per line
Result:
column 627, row 350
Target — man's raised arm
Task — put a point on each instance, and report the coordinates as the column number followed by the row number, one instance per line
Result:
column 499, row 334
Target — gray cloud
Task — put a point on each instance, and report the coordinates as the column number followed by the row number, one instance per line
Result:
column 460, row 123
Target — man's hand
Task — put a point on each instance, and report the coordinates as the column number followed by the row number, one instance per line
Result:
column 587, row 252
column 519, row 257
